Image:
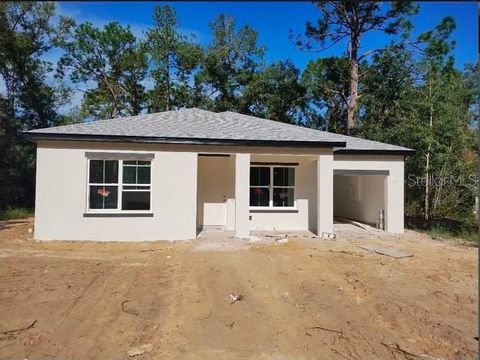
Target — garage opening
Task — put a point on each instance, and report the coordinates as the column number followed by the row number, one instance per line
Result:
column 360, row 195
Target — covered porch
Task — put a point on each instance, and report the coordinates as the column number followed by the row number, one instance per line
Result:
column 243, row 192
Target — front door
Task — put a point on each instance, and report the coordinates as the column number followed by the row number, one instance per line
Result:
column 212, row 190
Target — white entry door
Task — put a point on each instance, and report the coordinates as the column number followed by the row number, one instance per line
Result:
column 214, row 214
column 213, row 183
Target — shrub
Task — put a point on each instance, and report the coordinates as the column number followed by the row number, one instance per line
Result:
column 16, row 213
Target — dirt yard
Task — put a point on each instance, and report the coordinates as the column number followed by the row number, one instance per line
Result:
column 304, row 299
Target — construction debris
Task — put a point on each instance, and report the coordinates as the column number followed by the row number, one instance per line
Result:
column 147, row 250
column 128, row 311
column 234, row 298
column 21, row 329
column 328, row 236
column 395, row 253
column 325, row 329
column 397, row 348
column 139, row 350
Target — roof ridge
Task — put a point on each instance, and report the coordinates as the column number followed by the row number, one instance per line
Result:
column 345, row 137
column 275, row 122
column 207, row 126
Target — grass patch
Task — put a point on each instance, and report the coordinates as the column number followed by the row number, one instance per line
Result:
column 464, row 230
column 439, row 232
column 16, row 213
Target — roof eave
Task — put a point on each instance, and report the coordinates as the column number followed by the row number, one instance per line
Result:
column 35, row 136
column 404, row 152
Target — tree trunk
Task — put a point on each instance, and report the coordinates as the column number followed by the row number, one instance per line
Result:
column 427, row 165
column 115, row 109
column 427, row 185
column 354, row 79
column 168, row 85
column 353, row 99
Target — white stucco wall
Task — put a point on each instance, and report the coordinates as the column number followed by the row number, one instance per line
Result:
column 394, row 184
column 61, row 193
column 303, row 217
column 325, row 194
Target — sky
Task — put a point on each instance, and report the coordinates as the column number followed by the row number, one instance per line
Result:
column 273, row 21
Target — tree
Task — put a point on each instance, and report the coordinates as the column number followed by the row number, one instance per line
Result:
column 27, row 32
column 275, row 93
column 438, row 70
column 174, row 58
column 350, row 20
column 389, row 97
column 423, row 102
column 389, row 111
column 230, row 63
column 326, row 81
column 114, row 61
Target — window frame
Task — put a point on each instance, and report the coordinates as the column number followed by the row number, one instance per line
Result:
column 271, row 186
column 120, row 186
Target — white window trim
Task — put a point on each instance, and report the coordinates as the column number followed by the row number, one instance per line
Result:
column 271, row 186
column 120, row 186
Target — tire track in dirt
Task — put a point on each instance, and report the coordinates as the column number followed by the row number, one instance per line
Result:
column 89, row 315
column 303, row 300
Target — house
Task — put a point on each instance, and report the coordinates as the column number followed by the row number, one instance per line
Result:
column 169, row 174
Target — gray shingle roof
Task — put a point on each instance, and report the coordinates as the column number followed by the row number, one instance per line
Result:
column 201, row 126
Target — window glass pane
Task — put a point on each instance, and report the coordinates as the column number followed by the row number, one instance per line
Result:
column 284, row 176
column 135, row 187
column 129, row 162
column 96, row 171
column 103, row 197
column 144, row 163
column 259, row 176
column 143, row 175
column 282, row 197
column 259, row 196
column 129, row 174
column 111, row 171
column 136, row 200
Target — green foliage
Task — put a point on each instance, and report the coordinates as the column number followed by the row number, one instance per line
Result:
column 229, row 64
column 465, row 230
column 326, row 81
column 424, row 103
column 115, row 61
column 16, row 213
column 349, row 21
column 27, row 31
column 175, row 59
column 275, row 93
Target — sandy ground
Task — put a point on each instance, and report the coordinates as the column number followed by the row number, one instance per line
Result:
column 304, row 299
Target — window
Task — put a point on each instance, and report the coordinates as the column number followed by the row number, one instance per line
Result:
column 103, row 184
column 283, row 186
column 267, row 193
column 136, row 185
column 119, row 185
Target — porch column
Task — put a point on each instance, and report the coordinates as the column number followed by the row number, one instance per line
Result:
column 325, row 194
column 242, row 195
column 394, row 199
